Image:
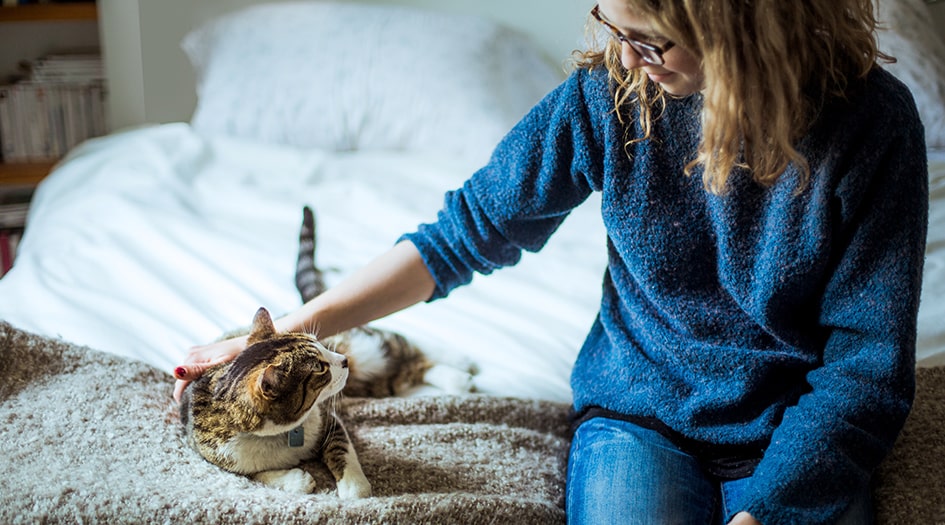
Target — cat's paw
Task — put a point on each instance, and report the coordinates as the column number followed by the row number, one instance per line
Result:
column 292, row 480
column 449, row 379
column 354, row 487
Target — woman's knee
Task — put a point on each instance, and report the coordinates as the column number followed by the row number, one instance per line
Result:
column 619, row 472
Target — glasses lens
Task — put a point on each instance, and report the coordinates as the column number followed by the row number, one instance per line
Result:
column 647, row 53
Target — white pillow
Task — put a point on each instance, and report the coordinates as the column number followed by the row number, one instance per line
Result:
column 910, row 37
column 361, row 77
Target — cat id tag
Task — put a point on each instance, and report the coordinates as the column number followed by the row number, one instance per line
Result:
column 297, row 437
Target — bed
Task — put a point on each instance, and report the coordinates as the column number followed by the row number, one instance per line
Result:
column 148, row 241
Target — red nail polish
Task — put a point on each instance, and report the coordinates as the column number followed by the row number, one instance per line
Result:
column 180, row 372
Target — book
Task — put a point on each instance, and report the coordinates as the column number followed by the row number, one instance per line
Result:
column 14, row 206
column 14, row 216
column 39, row 125
column 65, row 67
column 43, row 121
column 12, row 221
column 13, row 243
column 9, row 242
column 8, row 121
column 6, row 252
column 57, row 103
column 13, row 128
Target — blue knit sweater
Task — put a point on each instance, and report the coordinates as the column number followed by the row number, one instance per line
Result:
column 760, row 317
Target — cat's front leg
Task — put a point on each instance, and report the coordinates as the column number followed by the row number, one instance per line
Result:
column 353, row 483
column 291, row 480
column 341, row 459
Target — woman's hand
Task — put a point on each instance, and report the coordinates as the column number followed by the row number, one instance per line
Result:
column 203, row 357
column 393, row 281
column 743, row 518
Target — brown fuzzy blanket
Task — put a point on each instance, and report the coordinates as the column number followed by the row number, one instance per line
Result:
column 88, row 437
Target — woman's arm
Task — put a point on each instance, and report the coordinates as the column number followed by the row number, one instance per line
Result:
column 861, row 390
column 392, row 282
column 539, row 172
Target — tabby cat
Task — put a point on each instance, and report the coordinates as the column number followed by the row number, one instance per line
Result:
column 273, row 406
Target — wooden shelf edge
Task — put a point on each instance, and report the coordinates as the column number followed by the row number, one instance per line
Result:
column 49, row 12
column 27, row 174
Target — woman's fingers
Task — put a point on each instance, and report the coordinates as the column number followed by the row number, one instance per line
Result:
column 202, row 358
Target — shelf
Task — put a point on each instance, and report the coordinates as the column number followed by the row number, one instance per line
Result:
column 50, row 12
column 27, row 174
column 31, row 173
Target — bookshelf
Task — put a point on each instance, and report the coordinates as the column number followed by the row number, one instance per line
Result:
column 31, row 173
column 17, row 180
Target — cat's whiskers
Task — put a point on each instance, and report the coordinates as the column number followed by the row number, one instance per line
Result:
column 310, row 327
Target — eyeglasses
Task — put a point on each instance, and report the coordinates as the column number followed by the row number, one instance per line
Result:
column 651, row 54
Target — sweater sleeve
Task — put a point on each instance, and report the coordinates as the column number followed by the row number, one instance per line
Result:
column 827, row 445
column 537, row 174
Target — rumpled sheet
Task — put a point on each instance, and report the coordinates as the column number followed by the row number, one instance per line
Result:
column 150, row 241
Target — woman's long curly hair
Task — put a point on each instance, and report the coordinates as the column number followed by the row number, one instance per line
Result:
column 768, row 65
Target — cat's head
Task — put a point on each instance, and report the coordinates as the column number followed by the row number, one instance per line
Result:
column 282, row 376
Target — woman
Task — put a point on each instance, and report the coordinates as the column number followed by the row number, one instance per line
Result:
column 764, row 190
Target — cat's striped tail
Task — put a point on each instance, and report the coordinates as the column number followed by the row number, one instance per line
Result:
column 308, row 278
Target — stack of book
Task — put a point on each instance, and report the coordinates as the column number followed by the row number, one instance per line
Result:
column 59, row 103
column 14, row 204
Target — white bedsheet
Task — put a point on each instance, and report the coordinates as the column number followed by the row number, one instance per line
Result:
column 150, row 241
column 147, row 242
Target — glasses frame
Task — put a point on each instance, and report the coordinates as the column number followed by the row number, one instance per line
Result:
column 649, row 53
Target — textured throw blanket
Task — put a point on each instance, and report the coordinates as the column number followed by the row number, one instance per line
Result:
column 89, row 437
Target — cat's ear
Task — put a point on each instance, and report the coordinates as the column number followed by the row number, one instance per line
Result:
column 263, row 327
column 267, row 383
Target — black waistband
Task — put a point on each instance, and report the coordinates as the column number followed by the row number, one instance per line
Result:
column 725, row 462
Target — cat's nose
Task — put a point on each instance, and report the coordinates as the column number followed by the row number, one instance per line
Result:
column 344, row 363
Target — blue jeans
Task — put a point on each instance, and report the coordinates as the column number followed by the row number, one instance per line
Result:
column 621, row 473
